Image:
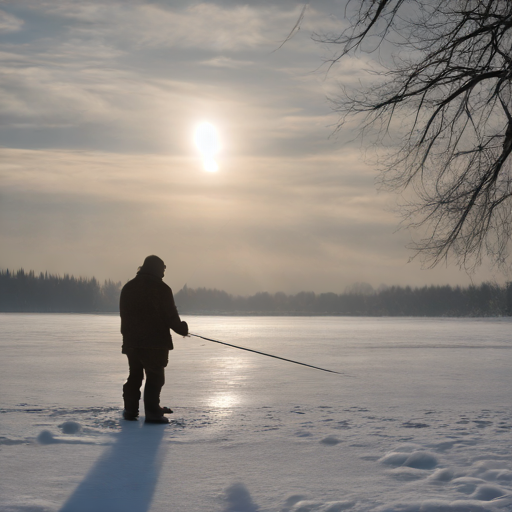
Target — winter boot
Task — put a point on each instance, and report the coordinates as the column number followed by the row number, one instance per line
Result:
column 128, row 416
column 150, row 418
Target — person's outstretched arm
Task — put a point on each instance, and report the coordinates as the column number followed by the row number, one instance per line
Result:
column 173, row 318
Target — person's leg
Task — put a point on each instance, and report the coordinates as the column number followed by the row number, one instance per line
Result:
column 154, row 362
column 155, row 379
column 131, row 388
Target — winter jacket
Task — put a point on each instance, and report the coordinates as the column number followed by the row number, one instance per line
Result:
column 148, row 312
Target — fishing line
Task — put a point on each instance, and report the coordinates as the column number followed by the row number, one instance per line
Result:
column 264, row 354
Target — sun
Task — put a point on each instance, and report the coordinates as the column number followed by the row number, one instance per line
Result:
column 206, row 139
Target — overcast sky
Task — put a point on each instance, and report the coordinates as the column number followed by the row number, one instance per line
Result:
column 99, row 103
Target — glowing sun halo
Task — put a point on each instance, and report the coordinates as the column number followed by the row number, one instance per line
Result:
column 207, row 142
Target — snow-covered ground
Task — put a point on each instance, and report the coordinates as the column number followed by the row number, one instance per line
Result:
column 419, row 421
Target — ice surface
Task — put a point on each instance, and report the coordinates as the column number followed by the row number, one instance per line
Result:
column 419, row 422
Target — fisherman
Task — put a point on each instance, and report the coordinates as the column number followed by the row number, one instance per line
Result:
column 148, row 311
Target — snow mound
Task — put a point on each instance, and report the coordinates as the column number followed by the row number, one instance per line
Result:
column 421, row 460
column 330, row 440
column 504, row 476
column 238, row 499
column 291, row 501
column 416, row 460
column 441, row 475
column 70, row 427
column 488, row 492
column 46, row 437
column 467, row 484
column 492, row 470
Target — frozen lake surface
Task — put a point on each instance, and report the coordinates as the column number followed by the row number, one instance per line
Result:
column 419, row 421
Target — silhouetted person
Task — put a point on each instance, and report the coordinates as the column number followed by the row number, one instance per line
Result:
column 148, row 312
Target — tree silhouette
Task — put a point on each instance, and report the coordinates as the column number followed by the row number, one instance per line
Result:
column 442, row 100
column 22, row 291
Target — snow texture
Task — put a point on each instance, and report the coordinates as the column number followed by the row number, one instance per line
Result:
column 421, row 422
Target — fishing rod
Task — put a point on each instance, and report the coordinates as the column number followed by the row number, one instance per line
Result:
column 264, row 354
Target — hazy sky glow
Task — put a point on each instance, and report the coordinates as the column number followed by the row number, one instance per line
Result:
column 100, row 103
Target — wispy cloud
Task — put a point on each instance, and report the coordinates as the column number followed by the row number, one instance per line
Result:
column 9, row 23
column 98, row 103
column 226, row 62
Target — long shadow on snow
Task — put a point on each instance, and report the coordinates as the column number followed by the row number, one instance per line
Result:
column 125, row 476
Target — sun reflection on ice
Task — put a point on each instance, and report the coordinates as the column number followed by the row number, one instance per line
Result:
column 224, row 400
column 229, row 376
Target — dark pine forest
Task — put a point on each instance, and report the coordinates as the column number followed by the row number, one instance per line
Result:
column 46, row 293
column 22, row 291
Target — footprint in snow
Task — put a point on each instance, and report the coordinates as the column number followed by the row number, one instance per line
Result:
column 303, row 434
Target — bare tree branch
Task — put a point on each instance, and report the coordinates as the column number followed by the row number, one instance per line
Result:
column 295, row 28
column 445, row 101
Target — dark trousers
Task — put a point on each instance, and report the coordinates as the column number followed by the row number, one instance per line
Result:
column 153, row 363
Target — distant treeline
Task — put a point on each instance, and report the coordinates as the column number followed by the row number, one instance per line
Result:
column 22, row 291
column 484, row 300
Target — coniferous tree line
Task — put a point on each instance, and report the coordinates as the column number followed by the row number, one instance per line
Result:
column 22, row 291
column 484, row 300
